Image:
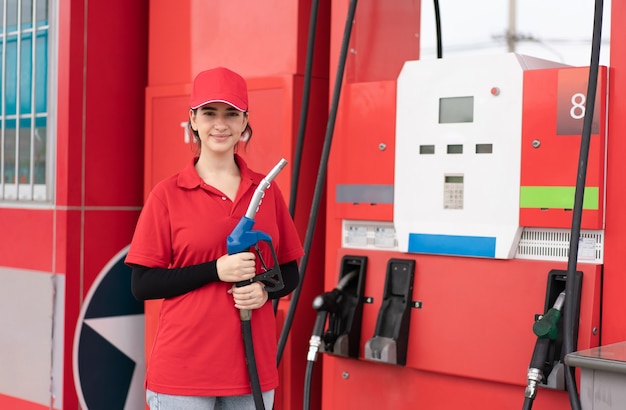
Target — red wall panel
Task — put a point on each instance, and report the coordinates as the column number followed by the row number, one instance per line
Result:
column 102, row 73
column 27, row 239
column 70, row 103
column 114, row 103
column 257, row 39
column 382, row 386
column 7, row 402
column 169, row 56
column 613, row 323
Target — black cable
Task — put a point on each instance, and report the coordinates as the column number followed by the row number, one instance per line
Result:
column 570, row 286
column 438, row 29
column 321, row 178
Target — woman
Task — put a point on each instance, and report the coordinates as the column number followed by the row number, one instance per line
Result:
column 179, row 253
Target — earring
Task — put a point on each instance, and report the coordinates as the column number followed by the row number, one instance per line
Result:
column 245, row 136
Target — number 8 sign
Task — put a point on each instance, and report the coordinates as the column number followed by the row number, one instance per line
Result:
column 572, row 102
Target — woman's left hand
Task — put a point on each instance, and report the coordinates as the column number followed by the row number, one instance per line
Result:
column 252, row 296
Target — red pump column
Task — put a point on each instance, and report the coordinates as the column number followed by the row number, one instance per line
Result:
column 613, row 325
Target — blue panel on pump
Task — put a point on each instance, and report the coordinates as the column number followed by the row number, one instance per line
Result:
column 479, row 246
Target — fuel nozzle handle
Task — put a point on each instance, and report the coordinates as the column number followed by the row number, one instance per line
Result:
column 546, row 330
column 329, row 301
column 243, row 237
column 325, row 303
column 546, row 326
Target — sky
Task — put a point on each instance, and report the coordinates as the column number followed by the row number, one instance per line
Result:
column 556, row 30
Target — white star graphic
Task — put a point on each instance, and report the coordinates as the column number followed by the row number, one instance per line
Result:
column 126, row 333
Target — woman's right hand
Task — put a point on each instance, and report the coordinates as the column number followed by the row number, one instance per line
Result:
column 237, row 267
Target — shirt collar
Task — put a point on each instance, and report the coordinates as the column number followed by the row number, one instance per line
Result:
column 189, row 178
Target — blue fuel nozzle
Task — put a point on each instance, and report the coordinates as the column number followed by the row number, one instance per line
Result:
column 243, row 237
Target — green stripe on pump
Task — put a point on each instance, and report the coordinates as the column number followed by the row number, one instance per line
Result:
column 559, row 197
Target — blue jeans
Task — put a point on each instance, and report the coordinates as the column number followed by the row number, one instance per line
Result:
column 158, row 401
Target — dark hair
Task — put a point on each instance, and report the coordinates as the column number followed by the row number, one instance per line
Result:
column 196, row 138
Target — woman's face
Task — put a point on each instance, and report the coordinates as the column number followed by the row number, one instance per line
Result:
column 219, row 126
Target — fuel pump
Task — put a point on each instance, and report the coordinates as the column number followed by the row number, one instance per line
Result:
column 241, row 239
column 343, row 307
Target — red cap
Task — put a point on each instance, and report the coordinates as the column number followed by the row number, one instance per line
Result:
column 219, row 85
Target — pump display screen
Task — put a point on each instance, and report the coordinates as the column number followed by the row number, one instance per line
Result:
column 456, row 109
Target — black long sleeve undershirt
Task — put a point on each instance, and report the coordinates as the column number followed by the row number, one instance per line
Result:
column 158, row 283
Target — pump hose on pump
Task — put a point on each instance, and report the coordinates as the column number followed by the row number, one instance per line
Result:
column 546, row 330
column 325, row 304
column 314, row 344
column 569, row 310
column 320, row 182
column 570, row 286
column 304, row 110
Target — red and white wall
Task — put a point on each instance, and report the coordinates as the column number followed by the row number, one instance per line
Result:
column 51, row 253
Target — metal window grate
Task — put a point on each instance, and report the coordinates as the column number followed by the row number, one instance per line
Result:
column 553, row 245
column 24, row 153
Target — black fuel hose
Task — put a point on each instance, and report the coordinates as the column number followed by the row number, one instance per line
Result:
column 314, row 345
column 321, row 179
column 438, row 29
column 304, row 112
column 304, row 109
column 546, row 330
column 325, row 304
column 246, row 329
column 308, row 379
column 535, row 370
column 570, row 307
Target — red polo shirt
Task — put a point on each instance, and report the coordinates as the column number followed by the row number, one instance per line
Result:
column 198, row 349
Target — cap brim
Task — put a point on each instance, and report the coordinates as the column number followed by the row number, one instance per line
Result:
column 198, row 105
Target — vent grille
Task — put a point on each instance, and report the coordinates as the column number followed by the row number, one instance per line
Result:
column 553, row 245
